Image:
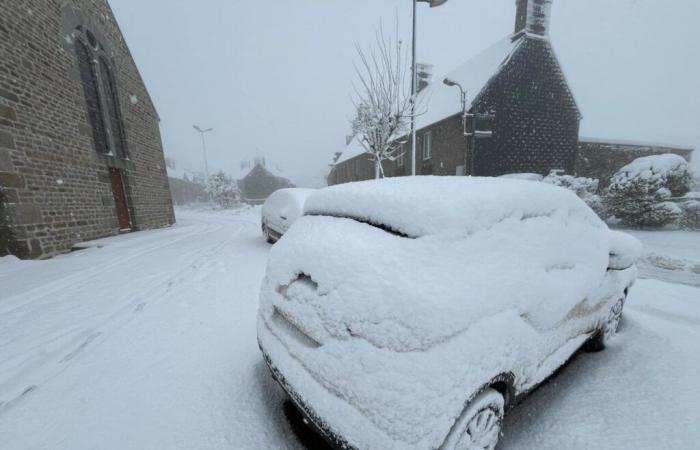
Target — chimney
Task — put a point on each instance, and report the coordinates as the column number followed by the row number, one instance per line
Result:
column 532, row 16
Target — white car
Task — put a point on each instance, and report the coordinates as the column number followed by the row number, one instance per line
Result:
column 281, row 209
column 409, row 313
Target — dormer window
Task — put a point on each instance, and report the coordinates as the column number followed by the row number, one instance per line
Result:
column 101, row 99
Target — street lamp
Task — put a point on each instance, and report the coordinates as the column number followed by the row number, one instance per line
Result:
column 414, row 81
column 463, row 97
column 204, row 148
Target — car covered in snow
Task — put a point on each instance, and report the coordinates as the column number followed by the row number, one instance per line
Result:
column 281, row 209
column 409, row 313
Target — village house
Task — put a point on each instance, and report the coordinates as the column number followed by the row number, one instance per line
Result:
column 257, row 179
column 80, row 148
column 521, row 117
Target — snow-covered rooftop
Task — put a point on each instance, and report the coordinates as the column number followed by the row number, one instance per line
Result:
column 439, row 101
column 353, row 149
column 247, row 166
column 598, row 140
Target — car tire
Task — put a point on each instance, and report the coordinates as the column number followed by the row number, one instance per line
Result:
column 479, row 426
column 267, row 235
column 612, row 322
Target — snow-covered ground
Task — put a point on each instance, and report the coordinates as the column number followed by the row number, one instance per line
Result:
column 148, row 341
column 670, row 255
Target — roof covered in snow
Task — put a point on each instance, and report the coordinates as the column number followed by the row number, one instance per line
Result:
column 439, row 101
column 633, row 143
column 353, row 149
column 247, row 166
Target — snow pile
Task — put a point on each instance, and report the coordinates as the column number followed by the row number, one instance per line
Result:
column 397, row 329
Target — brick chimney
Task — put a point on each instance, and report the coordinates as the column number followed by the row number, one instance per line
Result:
column 532, row 16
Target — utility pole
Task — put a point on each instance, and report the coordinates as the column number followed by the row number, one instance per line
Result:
column 414, row 80
column 204, row 148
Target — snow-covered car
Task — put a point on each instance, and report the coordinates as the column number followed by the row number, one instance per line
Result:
column 409, row 313
column 281, row 209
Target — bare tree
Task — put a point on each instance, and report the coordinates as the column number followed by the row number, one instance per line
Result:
column 383, row 100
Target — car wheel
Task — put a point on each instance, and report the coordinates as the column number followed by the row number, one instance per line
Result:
column 610, row 327
column 479, row 426
column 267, row 235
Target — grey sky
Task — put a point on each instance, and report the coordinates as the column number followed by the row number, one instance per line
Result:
column 274, row 77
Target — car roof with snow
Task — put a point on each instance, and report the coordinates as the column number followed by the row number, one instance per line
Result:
column 427, row 205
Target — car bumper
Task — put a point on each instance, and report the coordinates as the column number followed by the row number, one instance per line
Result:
column 311, row 419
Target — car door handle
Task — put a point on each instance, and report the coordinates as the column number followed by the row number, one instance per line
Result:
column 283, row 218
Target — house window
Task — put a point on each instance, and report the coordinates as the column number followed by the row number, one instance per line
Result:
column 100, row 93
column 400, row 160
column 428, row 145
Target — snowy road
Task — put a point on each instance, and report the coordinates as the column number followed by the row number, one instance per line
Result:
column 147, row 341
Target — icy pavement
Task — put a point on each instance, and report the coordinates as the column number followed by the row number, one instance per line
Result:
column 147, row 341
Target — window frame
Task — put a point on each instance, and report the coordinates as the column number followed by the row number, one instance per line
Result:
column 109, row 111
column 401, row 158
column 427, row 149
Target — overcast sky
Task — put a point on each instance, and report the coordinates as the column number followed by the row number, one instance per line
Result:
column 274, row 78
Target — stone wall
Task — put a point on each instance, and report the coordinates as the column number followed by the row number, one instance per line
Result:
column 600, row 159
column 55, row 186
column 186, row 192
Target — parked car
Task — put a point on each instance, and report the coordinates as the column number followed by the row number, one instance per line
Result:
column 281, row 209
column 409, row 313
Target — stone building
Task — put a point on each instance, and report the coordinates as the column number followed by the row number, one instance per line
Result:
column 80, row 148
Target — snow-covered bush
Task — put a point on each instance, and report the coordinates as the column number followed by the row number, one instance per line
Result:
column 639, row 193
column 223, row 190
column 585, row 188
column 690, row 206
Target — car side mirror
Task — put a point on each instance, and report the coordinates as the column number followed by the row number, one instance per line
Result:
column 625, row 250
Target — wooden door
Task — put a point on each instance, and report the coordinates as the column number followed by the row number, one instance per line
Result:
column 120, row 199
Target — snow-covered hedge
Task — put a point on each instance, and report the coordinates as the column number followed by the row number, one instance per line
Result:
column 690, row 207
column 585, row 188
column 639, row 193
column 223, row 190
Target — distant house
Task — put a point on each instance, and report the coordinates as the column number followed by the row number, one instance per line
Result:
column 257, row 180
column 522, row 118
column 80, row 149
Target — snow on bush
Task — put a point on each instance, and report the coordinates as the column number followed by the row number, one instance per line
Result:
column 223, row 190
column 690, row 207
column 639, row 192
column 585, row 188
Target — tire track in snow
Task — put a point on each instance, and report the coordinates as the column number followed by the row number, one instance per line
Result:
column 79, row 339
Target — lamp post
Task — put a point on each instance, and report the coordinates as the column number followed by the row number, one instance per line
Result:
column 204, row 148
column 414, row 80
column 463, row 98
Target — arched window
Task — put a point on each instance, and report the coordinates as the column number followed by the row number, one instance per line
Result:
column 100, row 93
